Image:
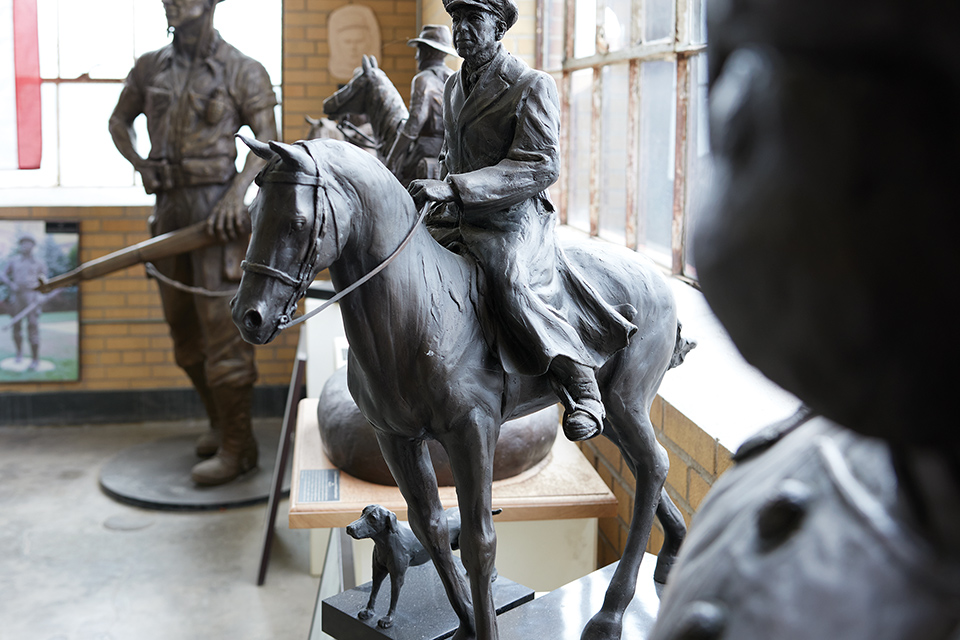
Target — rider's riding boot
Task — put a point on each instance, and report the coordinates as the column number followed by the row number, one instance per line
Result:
column 238, row 451
column 576, row 385
column 209, row 442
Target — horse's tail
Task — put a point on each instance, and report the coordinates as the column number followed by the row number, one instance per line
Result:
column 681, row 348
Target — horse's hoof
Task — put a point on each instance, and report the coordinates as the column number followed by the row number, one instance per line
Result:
column 603, row 626
column 385, row 622
column 365, row 614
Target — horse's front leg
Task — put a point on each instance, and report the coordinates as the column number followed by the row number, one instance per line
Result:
column 410, row 464
column 470, row 447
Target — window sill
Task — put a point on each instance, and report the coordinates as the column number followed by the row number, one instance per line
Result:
column 715, row 388
column 75, row 197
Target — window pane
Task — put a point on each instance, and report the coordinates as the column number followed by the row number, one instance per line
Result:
column 89, row 158
column 107, row 55
column 616, row 24
column 578, row 169
column 585, row 29
column 613, row 152
column 699, row 163
column 656, row 157
column 233, row 20
column 46, row 175
column 658, row 21
column 47, row 38
column 553, row 37
column 698, row 21
column 149, row 27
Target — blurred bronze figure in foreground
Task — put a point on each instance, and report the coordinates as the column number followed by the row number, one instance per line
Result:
column 830, row 255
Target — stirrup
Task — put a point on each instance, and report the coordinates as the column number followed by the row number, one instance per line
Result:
column 580, row 421
column 581, row 424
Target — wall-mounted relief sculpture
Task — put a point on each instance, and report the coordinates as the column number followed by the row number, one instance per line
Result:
column 352, row 32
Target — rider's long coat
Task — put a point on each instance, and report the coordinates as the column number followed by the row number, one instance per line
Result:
column 501, row 154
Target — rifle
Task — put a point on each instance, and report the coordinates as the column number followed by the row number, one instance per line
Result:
column 27, row 309
column 169, row 244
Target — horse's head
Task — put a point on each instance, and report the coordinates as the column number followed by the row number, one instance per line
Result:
column 293, row 237
column 353, row 97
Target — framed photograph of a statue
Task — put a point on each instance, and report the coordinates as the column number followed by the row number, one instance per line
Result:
column 39, row 332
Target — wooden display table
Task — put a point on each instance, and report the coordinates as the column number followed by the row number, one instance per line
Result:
column 564, row 486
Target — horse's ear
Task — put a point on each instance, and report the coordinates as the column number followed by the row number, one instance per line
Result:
column 366, row 64
column 261, row 149
column 312, row 121
column 294, row 156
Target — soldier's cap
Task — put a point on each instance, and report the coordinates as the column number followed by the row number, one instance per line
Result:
column 26, row 237
column 437, row 36
column 505, row 9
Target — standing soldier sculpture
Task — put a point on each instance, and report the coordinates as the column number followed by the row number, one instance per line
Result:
column 21, row 276
column 196, row 94
column 421, row 135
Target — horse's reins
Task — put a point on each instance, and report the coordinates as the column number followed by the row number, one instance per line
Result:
column 372, row 144
column 306, row 273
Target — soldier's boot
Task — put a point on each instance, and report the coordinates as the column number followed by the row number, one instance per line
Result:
column 18, row 343
column 576, row 386
column 238, row 450
column 34, row 356
column 208, row 443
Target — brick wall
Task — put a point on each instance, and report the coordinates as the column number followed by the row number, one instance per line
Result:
column 696, row 461
column 520, row 40
column 124, row 341
column 306, row 54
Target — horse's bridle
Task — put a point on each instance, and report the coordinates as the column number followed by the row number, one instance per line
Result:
column 306, row 274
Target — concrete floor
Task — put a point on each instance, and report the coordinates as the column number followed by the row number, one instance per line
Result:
column 76, row 565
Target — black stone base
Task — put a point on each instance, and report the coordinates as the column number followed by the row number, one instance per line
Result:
column 156, row 475
column 563, row 613
column 423, row 612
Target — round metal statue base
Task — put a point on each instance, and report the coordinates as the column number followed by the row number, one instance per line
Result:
column 156, row 475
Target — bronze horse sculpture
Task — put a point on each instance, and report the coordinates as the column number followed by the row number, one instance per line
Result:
column 371, row 93
column 420, row 366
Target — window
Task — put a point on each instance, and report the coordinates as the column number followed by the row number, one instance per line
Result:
column 86, row 51
column 635, row 147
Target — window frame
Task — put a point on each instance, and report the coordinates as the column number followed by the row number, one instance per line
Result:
column 679, row 47
column 49, row 189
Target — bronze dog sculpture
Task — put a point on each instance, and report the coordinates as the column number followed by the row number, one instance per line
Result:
column 396, row 549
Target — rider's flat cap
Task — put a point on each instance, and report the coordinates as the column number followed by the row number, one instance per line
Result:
column 505, row 9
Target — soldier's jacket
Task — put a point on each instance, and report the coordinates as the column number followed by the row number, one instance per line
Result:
column 24, row 272
column 192, row 131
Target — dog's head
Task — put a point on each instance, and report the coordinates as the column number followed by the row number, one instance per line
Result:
column 373, row 520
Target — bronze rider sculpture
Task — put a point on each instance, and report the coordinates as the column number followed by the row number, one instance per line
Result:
column 196, row 93
column 500, row 154
column 421, row 135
